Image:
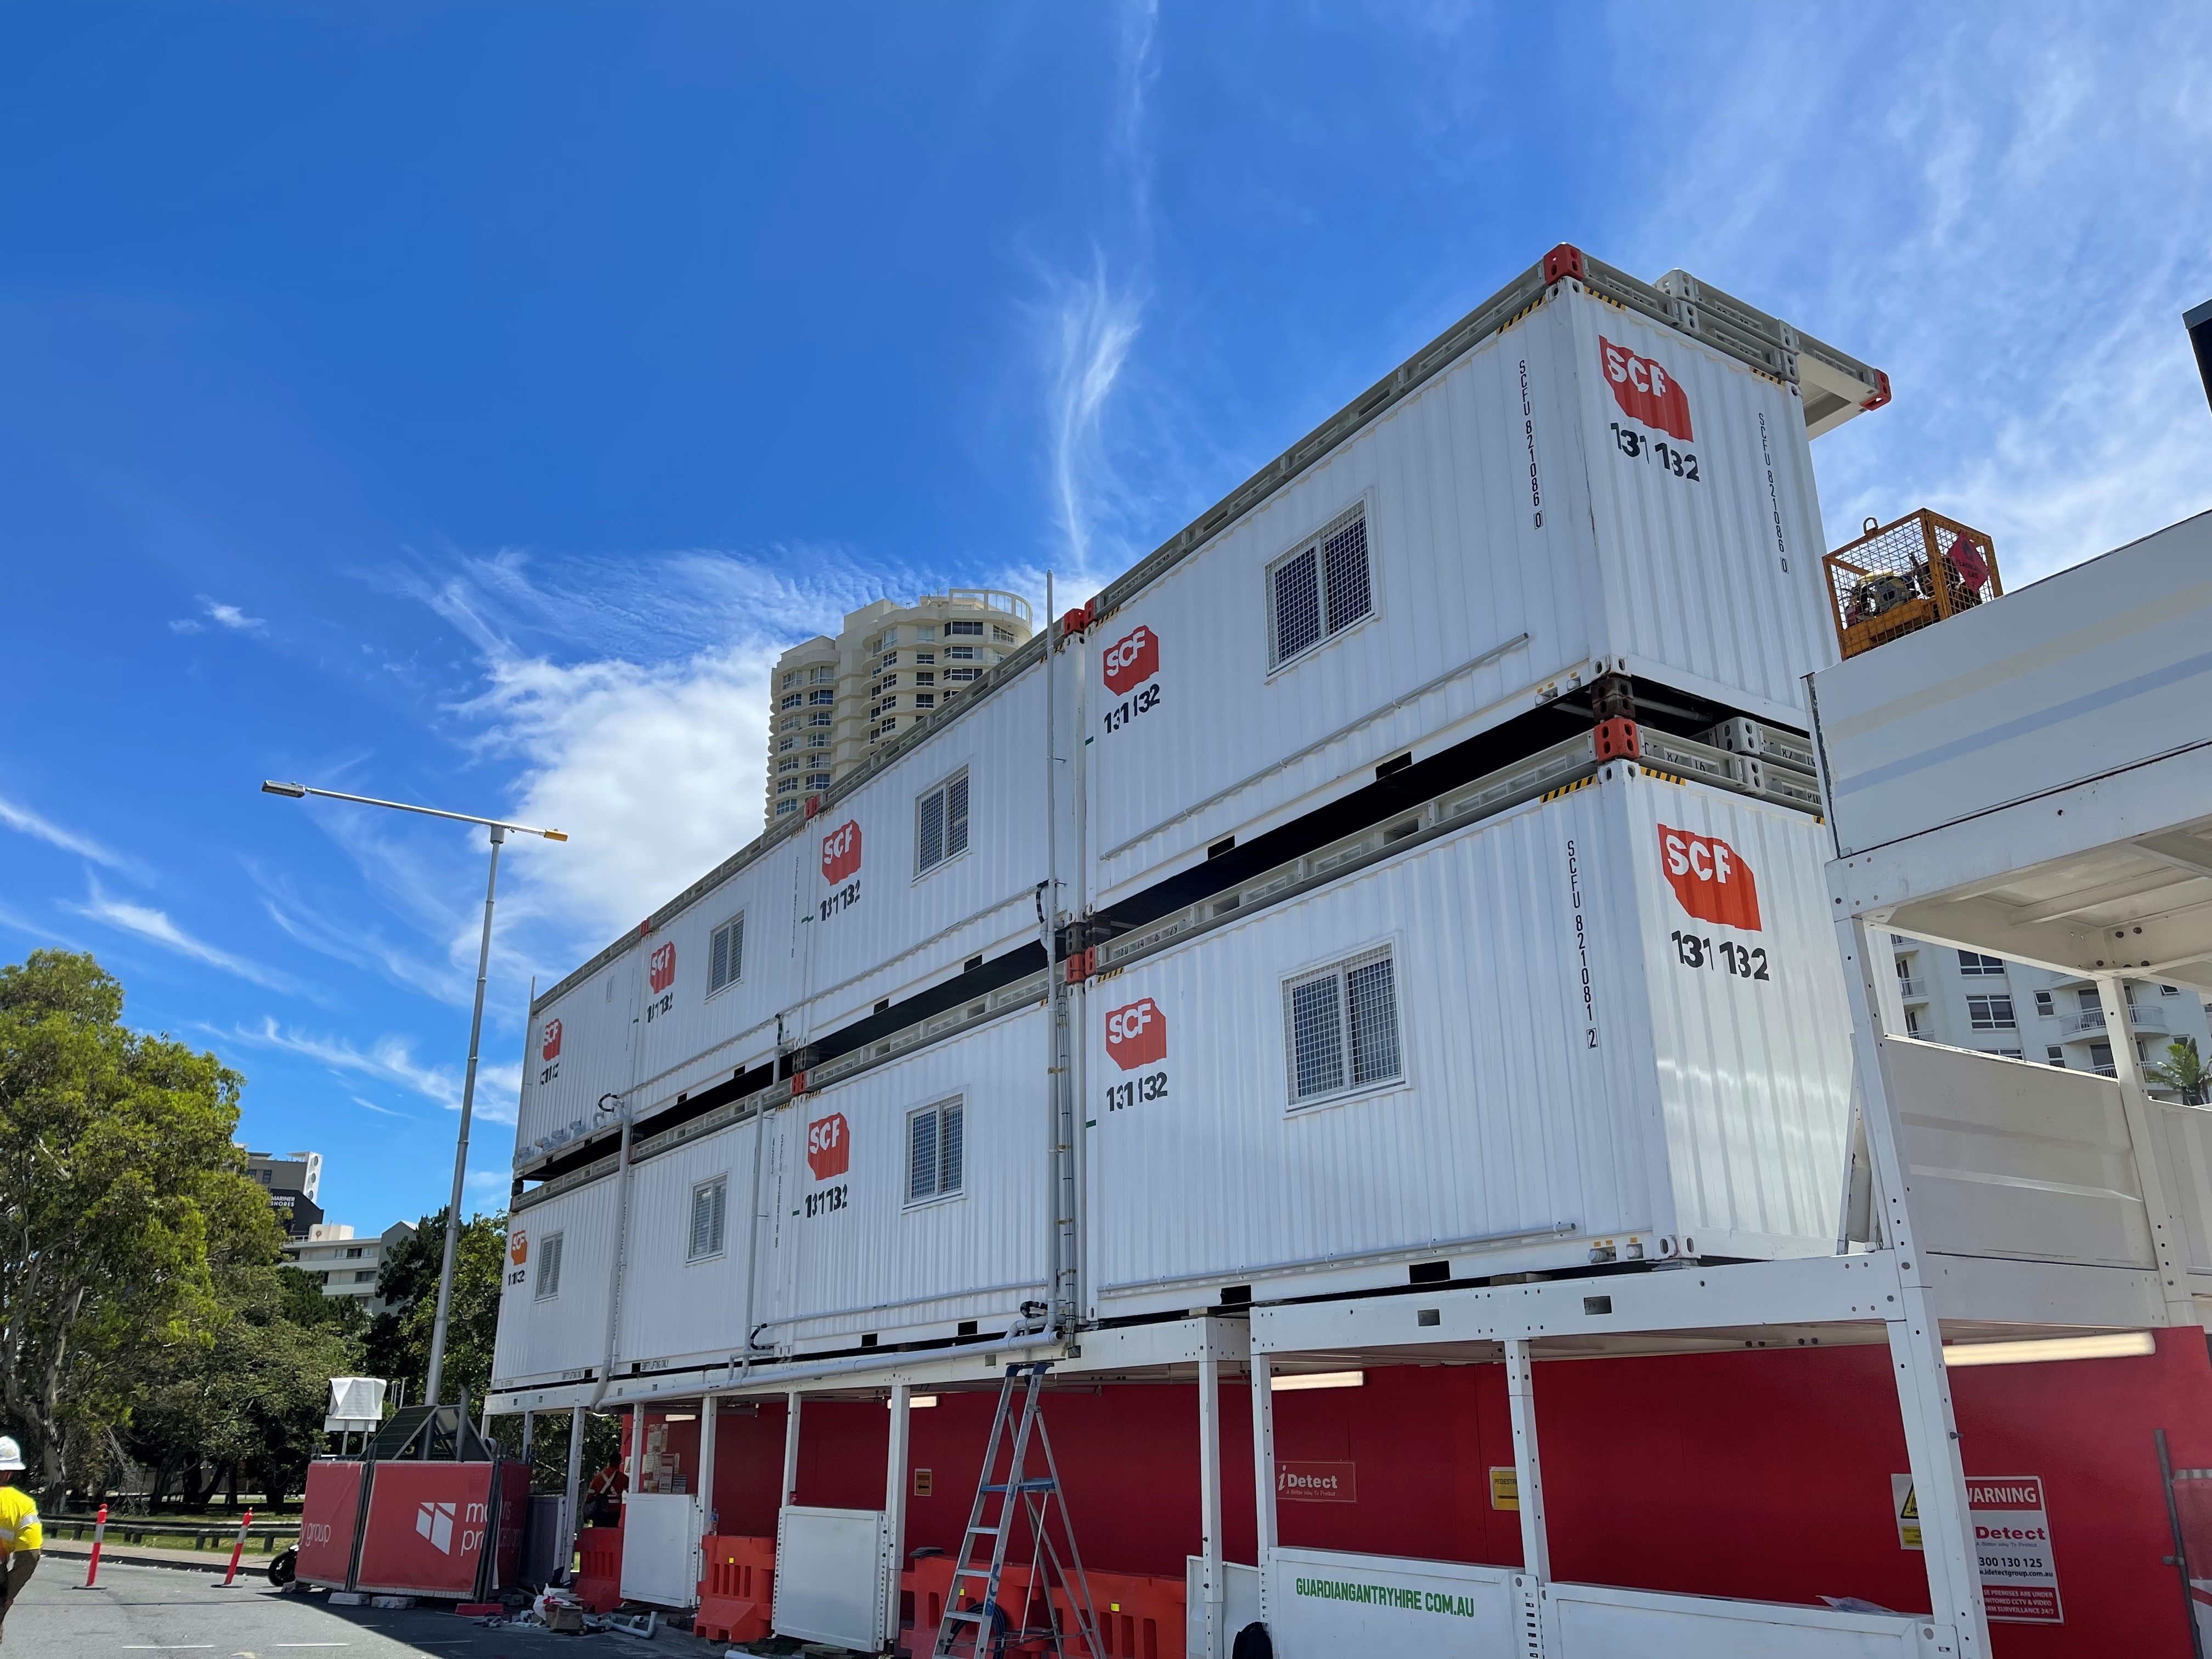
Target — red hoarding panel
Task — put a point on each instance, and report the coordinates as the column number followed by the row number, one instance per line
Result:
column 328, row 1516
column 513, row 1512
column 426, row 1528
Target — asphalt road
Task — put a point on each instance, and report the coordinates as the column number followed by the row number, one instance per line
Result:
column 164, row 1613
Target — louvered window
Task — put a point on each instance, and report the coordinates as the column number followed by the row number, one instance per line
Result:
column 933, row 1150
column 1340, row 1029
column 940, row 825
column 548, row 1267
column 709, row 1201
column 1321, row 589
column 726, row 954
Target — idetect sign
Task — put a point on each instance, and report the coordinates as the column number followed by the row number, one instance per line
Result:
column 1317, row 1483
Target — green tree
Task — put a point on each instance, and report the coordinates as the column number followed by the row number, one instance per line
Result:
column 398, row 1344
column 115, row 1149
column 2182, row 1071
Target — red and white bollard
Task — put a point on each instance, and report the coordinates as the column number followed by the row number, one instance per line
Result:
column 98, row 1537
column 238, row 1548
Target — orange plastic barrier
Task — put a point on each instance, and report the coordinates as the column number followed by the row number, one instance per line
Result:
column 597, row 1584
column 737, row 1596
column 1138, row 1617
column 933, row 1590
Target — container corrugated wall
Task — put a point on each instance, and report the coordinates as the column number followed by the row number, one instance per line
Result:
column 678, row 1304
column 1525, row 1126
column 1498, row 504
column 559, row 1337
column 853, row 1253
column 871, row 921
column 579, row 1055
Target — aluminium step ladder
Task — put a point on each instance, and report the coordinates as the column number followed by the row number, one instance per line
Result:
column 976, row 1627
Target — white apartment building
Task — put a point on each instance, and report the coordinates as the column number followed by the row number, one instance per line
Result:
column 347, row 1267
column 1969, row 1000
column 890, row 668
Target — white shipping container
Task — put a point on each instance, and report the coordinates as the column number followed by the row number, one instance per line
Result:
column 1610, row 1024
column 553, row 1304
column 1584, row 490
column 881, row 1224
column 931, row 861
column 684, row 1290
column 577, row 1067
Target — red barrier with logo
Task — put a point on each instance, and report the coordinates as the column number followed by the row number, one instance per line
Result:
column 426, row 1527
column 329, row 1515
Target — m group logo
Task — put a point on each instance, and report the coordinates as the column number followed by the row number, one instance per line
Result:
column 828, row 1146
column 1710, row 878
column 435, row 1522
column 1136, row 1035
column 841, row 852
column 661, row 967
column 550, row 1046
column 1645, row 390
column 1132, row 659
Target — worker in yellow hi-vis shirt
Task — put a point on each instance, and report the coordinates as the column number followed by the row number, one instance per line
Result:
column 20, row 1539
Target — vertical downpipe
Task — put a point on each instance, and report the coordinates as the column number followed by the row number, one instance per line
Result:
column 620, row 1253
column 1063, row 1310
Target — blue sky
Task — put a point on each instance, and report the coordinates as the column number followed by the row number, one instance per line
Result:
column 465, row 402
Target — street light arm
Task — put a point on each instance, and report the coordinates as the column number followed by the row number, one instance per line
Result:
column 297, row 791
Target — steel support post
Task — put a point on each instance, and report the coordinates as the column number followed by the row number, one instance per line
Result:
column 1916, row 1342
column 791, row 1401
column 1528, row 1468
column 709, row 1411
column 1263, row 1466
column 572, row 1491
column 636, row 1450
column 2143, row 1126
column 894, row 1509
column 1209, row 1500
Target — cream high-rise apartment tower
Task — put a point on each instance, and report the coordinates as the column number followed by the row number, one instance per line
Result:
column 892, row 666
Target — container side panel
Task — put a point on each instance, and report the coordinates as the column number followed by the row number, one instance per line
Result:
column 1519, row 1120
column 1708, row 531
column 888, row 1226
column 1475, row 534
column 1751, row 1024
column 556, row 1328
column 578, row 1058
column 684, row 1289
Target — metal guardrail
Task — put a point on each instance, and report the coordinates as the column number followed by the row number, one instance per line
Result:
column 216, row 1537
column 2092, row 1020
column 1913, row 990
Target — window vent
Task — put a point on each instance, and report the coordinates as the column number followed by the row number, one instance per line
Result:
column 934, row 1150
column 726, row 954
column 1320, row 590
column 549, row 1267
column 941, row 825
column 1341, row 1028
column 709, row 1202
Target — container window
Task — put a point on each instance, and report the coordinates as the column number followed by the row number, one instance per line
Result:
column 709, row 1203
column 1320, row 589
column 1341, row 1028
column 1973, row 962
column 1990, row 1013
column 941, row 823
column 935, row 1138
column 548, row 1267
column 726, row 954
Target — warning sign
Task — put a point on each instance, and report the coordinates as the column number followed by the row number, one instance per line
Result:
column 2012, row 1537
column 1504, row 1489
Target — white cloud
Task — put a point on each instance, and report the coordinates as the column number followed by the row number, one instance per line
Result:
column 1985, row 208
column 223, row 615
column 155, row 926
column 24, row 821
column 382, row 1111
column 392, row 1058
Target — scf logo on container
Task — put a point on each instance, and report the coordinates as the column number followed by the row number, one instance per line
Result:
column 1132, row 659
column 841, row 851
column 661, row 968
column 550, row 1048
column 828, row 1146
column 1136, row 1035
column 1710, row 878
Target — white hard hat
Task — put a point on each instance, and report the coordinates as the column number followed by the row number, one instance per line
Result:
column 11, row 1455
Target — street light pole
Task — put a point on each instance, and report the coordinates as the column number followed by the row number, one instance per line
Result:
column 438, row 1328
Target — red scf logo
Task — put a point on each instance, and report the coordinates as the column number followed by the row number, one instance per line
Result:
column 1136, row 1035
column 661, row 967
column 1132, row 659
column 841, row 851
column 549, row 1049
column 1711, row 879
column 1644, row 390
column 828, row 1146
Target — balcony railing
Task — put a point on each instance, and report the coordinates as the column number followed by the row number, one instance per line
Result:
column 1913, row 990
column 2142, row 1016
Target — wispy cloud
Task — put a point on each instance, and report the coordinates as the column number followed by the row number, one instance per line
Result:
column 393, row 1060
column 24, row 821
column 383, row 1111
column 154, row 927
column 222, row 616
